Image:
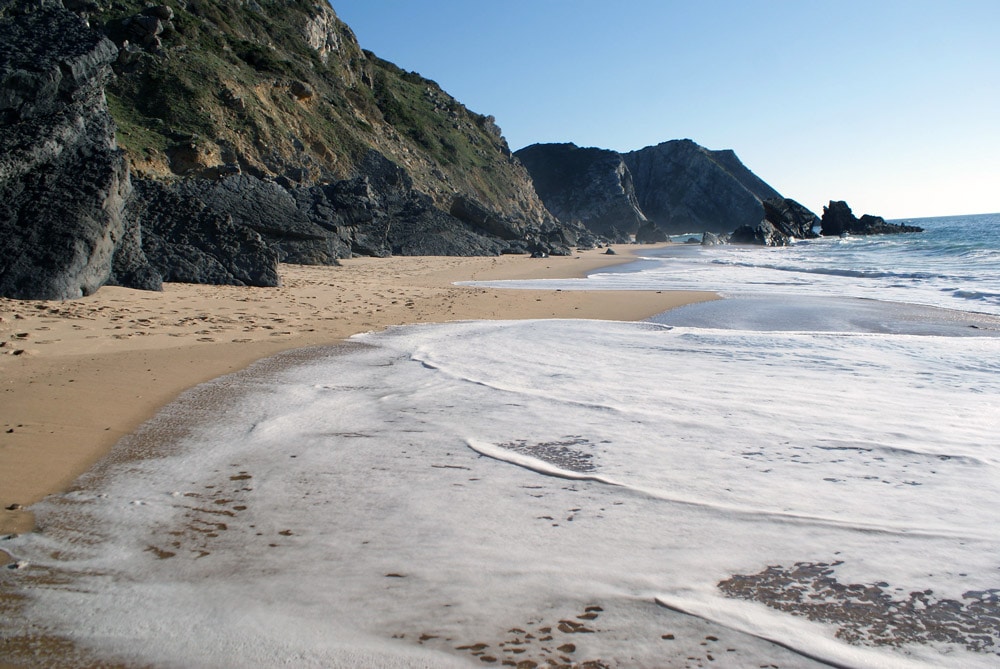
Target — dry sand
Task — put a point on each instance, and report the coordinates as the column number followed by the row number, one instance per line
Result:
column 78, row 375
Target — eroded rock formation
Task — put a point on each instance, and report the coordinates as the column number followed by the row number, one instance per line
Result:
column 685, row 187
column 63, row 181
column 586, row 185
column 678, row 185
column 838, row 219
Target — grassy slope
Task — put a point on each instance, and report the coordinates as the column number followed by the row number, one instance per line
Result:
column 239, row 83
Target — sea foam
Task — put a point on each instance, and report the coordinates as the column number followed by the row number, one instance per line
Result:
column 439, row 494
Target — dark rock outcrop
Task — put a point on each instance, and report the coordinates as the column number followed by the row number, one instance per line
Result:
column 763, row 233
column 271, row 211
column 685, row 187
column 191, row 225
column 586, row 185
column 712, row 239
column 63, row 181
column 190, row 242
column 258, row 188
column 790, row 218
column 678, row 185
column 838, row 219
column 784, row 220
column 650, row 233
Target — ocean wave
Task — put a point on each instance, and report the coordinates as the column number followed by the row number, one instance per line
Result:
column 837, row 271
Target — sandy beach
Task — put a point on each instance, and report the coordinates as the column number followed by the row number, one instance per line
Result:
column 79, row 375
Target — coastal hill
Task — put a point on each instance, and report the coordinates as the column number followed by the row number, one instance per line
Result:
column 673, row 187
column 208, row 140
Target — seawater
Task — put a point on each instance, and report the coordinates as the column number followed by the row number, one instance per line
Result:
column 802, row 474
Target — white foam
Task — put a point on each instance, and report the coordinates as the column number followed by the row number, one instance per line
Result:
column 629, row 463
column 905, row 269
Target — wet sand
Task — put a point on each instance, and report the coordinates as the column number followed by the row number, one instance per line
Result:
column 78, row 375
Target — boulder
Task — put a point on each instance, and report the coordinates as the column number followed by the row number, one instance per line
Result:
column 790, row 218
column 763, row 233
column 838, row 220
column 650, row 233
column 63, row 181
column 712, row 239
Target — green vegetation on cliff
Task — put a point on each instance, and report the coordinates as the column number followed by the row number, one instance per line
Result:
column 281, row 88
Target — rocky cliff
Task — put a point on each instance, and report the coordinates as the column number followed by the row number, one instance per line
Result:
column 685, row 187
column 63, row 181
column 673, row 187
column 207, row 140
column 282, row 89
column 586, row 185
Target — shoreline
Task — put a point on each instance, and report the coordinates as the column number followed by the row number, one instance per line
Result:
column 80, row 375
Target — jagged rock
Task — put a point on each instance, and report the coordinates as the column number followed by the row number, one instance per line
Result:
column 678, row 184
column 784, row 220
column 269, row 210
column 400, row 220
column 130, row 267
column 321, row 33
column 592, row 186
column 838, row 219
column 378, row 213
column 188, row 242
column 477, row 215
column 712, row 239
column 63, row 182
column 760, row 234
column 684, row 187
column 791, row 218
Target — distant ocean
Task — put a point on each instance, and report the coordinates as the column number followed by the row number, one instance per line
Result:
column 803, row 474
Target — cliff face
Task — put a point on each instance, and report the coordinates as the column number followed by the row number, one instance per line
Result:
column 282, row 89
column 63, row 181
column 685, row 187
column 208, row 140
column 586, row 185
column 673, row 187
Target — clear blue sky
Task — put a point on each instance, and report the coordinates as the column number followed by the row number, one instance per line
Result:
column 891, row 105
